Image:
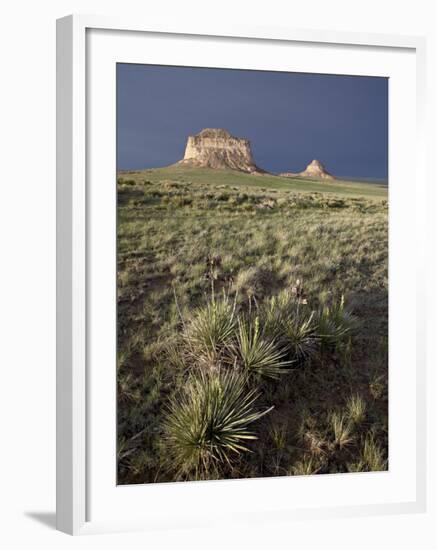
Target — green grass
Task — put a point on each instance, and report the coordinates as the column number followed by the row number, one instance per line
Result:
column 239, row 179
column 257, row 240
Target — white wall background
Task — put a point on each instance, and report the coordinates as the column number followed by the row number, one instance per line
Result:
column 27, row 272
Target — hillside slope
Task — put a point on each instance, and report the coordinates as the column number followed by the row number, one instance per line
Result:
column 210, row 176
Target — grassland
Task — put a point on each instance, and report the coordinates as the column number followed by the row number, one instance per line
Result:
column 339, row 187
column 185, row 235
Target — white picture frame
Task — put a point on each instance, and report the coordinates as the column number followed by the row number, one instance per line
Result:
column 76, row 311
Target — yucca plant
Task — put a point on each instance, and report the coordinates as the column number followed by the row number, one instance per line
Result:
column 255, row 353
column 211, row 329
column 275, row 311
column 288, row 320
column 299, row 334
column 335, row 323
column 207, row 424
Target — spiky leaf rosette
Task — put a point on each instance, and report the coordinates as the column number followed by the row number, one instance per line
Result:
column 257, row 354
column 207, row 424
column 335, row 323
column 290, row 322
column 211, row 329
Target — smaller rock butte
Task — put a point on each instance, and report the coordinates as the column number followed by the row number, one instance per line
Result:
column 315, row 169
column 217, row 148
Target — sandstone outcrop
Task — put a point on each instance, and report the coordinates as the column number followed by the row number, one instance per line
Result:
column 217, row 148
column 314, row 170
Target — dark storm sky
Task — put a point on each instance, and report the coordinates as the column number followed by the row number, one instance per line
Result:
column 290, row 118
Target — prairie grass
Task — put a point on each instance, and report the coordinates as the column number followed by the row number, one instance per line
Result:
column 373, row 455
column 300, row 292
column 278, row 432
column 305, row 467
column 342, row 434
column 356, row 409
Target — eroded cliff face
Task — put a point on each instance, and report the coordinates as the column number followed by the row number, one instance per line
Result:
column 315, row 169
column 217, row 148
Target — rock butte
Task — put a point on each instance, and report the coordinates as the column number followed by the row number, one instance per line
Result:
column 315, row 169
column 217, row 148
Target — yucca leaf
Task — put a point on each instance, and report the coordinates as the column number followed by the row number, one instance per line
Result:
column 207, row 424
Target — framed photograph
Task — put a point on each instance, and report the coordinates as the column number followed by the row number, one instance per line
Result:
column 240, row 275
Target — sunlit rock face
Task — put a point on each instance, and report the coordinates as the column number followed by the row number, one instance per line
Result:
column 217, row 148
column 315, row 169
